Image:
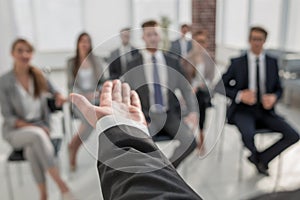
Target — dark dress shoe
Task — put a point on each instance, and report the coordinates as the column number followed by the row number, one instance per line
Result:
column 261, row 168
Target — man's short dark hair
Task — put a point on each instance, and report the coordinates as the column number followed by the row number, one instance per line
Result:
column 150, row 23
column 258, row 29
column 185, row 26
column 124, row 29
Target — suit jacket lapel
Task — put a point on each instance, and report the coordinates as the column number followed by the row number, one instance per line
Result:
column 16, row 100
column 245, row 71
column 144, row 89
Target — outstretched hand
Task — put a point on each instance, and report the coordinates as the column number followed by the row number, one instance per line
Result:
column 116, row 99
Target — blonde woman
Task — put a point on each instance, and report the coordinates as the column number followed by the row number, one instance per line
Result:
column 26, row 116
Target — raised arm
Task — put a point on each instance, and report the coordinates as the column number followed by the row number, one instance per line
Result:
column 130, row 165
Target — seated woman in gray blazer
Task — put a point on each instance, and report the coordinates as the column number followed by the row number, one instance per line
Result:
column 85, row 75
column 23, row 92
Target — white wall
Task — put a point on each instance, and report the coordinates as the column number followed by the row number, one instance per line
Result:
column 7, row 34
column 225, row 53
column 103, row 20
column 293, row 33
column 271, row 20
column 279, row 17
column 235, row 23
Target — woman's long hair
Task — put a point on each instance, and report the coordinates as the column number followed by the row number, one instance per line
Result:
column 39, row 81
column 77, row 62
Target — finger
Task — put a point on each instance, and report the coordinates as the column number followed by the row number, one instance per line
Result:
column 135, row 99
column 106, row 94
column 80, row 101
column 126, row 93
column 117, row 91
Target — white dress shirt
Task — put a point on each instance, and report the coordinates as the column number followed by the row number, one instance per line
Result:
column 125, row 56
column 32, row 106
column 252, row 71
column 163, row 75
column 183, row 45
column 252, row 74
column 86, row 78
column 110, row 121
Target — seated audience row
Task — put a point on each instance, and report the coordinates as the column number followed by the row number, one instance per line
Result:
column 251, row 82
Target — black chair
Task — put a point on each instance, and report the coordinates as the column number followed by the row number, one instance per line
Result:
column 161, row 137
column 17, row 155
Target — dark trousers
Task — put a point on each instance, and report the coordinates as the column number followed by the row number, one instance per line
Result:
column 171, row 124
column 247, row 121
column 203, row 98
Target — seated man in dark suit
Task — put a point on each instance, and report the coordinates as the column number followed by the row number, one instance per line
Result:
column 253, row 85
column 120, row 57
column 130, row 165
column 155, row 76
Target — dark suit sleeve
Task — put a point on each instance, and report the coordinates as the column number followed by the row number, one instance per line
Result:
column 278, row 87
column 229, row 81
column 114, row 65
column 130, row 166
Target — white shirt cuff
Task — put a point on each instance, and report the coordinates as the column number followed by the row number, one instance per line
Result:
column 110, row 121
column 238, row 97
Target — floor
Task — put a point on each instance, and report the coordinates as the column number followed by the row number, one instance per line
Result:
column 213, row 175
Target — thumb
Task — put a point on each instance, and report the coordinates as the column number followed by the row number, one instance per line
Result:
column 80, row 101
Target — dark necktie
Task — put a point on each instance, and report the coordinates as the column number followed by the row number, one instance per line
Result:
column 158, row 98
column 258, row 95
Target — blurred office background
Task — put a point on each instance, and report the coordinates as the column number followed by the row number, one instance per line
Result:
column 54, row 25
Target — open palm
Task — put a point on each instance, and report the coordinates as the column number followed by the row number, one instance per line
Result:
column 116, row 99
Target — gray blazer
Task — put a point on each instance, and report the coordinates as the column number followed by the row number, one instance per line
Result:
column 115, row 68
column 11, row 103
column 98, row 72
column 176, row 47
column 136, row 79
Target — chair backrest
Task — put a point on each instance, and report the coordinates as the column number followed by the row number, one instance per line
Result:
column 16, row 155
column 161, row 136
column 51, row 104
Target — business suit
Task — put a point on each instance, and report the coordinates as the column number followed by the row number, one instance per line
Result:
column 130, row 166
column 176, row 47
column 115, row 66
column 173, row 123
column 37, row 146
column 247, row 118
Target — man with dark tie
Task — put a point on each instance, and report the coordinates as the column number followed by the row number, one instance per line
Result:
column 155, row 76
column 182, row 45
column 253, row 85
column 120, row 57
